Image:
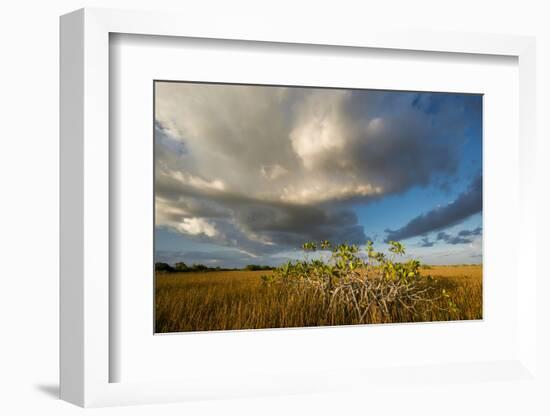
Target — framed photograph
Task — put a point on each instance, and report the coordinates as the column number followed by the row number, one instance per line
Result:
column 285, row 206
column 266, row 212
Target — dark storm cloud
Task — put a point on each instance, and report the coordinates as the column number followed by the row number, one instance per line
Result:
column 466, row 204
column 449, row 239
column 468, row 233
column 462, row 237
column 398, row 150
column 265, row 169
column 425, row 242
column 253, row 224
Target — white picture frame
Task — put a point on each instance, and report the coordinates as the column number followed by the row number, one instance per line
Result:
column 85, row 355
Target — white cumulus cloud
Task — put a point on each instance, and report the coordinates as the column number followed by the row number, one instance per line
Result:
column 196, row 226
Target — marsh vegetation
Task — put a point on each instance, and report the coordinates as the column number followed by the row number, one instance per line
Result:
column 341, row 285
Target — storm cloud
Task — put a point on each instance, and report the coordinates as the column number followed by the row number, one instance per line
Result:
column 462, row 237
column 470, row 233
column 262, row 169
column 425, row 242
column 465, row 205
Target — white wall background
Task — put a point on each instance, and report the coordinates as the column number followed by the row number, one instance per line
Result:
column 29, row 184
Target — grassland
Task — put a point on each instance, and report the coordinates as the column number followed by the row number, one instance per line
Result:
column 240, row 300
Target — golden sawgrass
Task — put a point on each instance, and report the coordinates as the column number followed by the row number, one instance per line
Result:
column 231, row 300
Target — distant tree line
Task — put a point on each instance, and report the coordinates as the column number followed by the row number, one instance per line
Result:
column 182, row 267
column 254, row 267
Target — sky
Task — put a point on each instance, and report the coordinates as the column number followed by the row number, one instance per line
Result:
column 246, row 174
